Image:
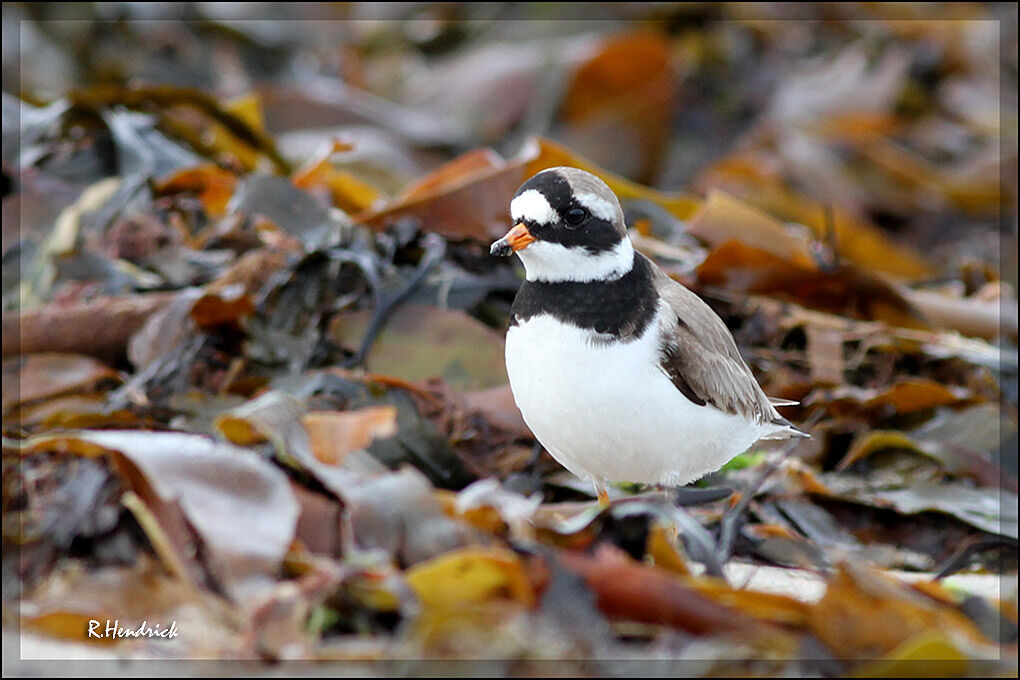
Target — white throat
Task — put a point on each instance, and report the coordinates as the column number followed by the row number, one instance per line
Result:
column 552, row 262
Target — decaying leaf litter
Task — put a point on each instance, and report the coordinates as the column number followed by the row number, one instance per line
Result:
column 253, row 361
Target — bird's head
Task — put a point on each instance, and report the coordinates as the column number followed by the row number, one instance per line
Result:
column 569, row 227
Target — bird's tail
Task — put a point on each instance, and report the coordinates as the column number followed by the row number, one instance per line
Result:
column 781, row 428
column 776, row 401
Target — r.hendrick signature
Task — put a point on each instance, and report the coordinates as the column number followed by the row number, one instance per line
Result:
column 114, row 630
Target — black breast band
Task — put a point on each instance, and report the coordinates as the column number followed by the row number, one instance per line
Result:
column 623, row 306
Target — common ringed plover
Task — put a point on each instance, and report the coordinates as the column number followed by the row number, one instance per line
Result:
column 621, row 373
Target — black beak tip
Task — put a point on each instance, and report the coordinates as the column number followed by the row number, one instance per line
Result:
column 500, row 248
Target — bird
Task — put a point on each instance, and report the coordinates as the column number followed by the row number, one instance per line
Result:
column 622, row 373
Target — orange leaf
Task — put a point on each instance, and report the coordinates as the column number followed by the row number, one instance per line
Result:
column 864, row 614
column 213, row 185
column 334, row 434
column 755, row 178
column 346, row 191
column 845, row 290
column 724, row 218
column 771, row 607
column 917, row 394
column 626, row 92
column 454, row 173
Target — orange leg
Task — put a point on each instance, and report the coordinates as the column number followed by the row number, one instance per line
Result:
column 600, row 489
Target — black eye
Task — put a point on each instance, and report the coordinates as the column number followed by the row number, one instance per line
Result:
column 575, row 217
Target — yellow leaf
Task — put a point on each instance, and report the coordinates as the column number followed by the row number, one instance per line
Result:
column 877, row 440
column 663, row 553
column 484, row 517
column 929, row 654
column 470, row 576
column 238, row 430
column 249, row 109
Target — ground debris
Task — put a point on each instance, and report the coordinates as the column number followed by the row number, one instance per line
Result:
column 254, row 383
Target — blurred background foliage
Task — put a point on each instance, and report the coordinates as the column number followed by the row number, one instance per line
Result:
column 257, row 234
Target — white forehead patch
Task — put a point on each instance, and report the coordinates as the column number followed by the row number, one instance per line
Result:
column 533, row 207
column 596, row 205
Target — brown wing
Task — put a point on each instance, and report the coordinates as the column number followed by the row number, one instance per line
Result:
column 702, row 360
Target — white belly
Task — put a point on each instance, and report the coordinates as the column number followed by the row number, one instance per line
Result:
column 606, row 411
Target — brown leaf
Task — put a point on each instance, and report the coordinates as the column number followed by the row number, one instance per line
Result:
column 272, row 416
column 905, row 396
column 89, row 411
column 760, row 606
column 251, row 271
column 550, row 154
column 630, row 590
column 318, row 528
column 469, row 197
column 394, row 512
column 483, row 516
column 454, row 173
column 825, row 355
column 917, row 394
column 279, row 624
column 497, row 404
column 989, row 509
column 973, row 192
column 38, row 377
column 972, row 316
column 225, row 306
column 99, row 328
column 164, row 329
column 240, row 506
column 486, row 504
column 419, row 342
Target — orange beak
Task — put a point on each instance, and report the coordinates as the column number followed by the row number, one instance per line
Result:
column 516, row 239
